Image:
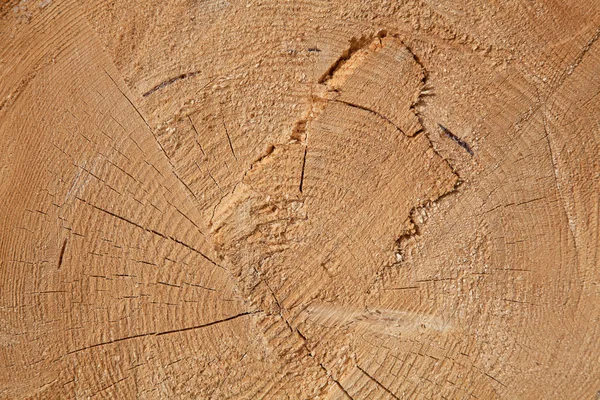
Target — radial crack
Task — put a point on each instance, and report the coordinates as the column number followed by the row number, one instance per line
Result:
column 378, row 383
column 161, row 333
column 62, row 253
column 151, row 231
column 170, row 81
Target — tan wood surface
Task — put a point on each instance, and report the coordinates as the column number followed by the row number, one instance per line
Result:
column 300, row 199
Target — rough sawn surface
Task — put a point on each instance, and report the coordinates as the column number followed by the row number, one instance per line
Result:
column 227, row 199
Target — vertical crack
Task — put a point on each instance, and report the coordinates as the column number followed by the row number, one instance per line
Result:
column 62, row 253
column 303, row 166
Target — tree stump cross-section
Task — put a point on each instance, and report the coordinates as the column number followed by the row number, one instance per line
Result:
column 264, row 199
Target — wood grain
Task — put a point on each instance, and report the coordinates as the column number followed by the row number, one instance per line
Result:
column 311, row 199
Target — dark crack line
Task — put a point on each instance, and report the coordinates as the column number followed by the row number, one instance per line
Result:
column 206, row 325
column 173, row 168
column 130, row 102
column 197, row 135
column 378, row 383
column 338, row 384
column 162, row 235
column 170, row 81
column 161, row 333
column 491, row 377
column 311, row 355
column 303, row 167
column 455, row 138
column 229, row 140
column 281, row 309
column 109, row 386
column 62, row 253
column 383, row 117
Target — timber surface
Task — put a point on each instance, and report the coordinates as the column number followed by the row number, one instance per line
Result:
column 304, row 199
